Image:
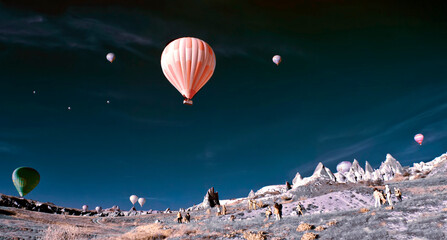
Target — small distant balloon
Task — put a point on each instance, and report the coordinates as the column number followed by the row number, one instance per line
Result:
column 110, row 57
column 133, row 199
column 98, row 209
column 419, row 138
column 69, row 108
column 343, row 166
column 34, row 92
column 141, row 201
column 107, row 101
column 84, row 208
column 25, row 179
column 277, row 59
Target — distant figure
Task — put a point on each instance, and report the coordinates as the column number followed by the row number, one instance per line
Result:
column 251, row 204
column 232, row 217
column 299, row 209
column 187, row 218
column 388, row 195
column 268, row 213
column 398, row 194
column 224, row 210
column 218, row 210
column 383, row 196
column 378, row 196
column 277, row 210
column 179, row 217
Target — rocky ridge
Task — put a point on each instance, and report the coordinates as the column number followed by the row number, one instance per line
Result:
column 388, row 170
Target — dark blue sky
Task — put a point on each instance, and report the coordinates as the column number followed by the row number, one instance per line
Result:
column 358, row 80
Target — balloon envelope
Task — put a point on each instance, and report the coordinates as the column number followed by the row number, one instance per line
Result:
column 110, row 57
column 188, row 63
column 276, row 59
column 419, row 138
column 25, row 179
column 343, row 166
column 141, row 201
column 98, row 209
column 133, row 199
column 85, row 208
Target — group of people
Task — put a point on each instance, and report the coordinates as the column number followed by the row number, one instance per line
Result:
column 252, row 204
column 221, row 210
column 277, row 211
column 185, row 219
column 381, row 197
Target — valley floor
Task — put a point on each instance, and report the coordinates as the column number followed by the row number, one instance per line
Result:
column 335, row 209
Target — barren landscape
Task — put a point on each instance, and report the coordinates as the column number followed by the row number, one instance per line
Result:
column 332, row 210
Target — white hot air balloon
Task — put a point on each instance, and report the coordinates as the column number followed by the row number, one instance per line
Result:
column 110, row 57
column 141, row 201
column 133, row 199
column 276, row 59
column 98, row 209
column 84, row 208
column 343, row 166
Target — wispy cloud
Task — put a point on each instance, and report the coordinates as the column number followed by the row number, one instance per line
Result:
column 7, row 148
column 437, row 131
column 68, row 32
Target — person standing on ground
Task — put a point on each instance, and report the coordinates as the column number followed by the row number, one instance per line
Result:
column 276, row 211
column 299, row 209
column 219, row 212
column 179, row 217
column 268, row 213
column 224, row 210
column 187, row 218
column 377, row 197
column 388, row 195
column 398, row 194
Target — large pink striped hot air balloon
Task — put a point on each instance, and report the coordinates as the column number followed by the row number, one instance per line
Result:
column 419, row 138
column 188, row 63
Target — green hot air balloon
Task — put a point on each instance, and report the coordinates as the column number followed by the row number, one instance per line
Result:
column 25, row 179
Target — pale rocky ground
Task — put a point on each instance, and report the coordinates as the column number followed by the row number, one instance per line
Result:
column 421, row 215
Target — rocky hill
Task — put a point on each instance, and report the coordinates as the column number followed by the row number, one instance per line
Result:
column 335, row 206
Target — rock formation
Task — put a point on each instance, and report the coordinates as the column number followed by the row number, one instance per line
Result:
column 321, row 173
column 387, row 171
column 251, row 194
column 210, row 200
column 296, row 180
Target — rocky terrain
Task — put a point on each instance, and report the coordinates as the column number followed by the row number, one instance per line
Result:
column 336, row 206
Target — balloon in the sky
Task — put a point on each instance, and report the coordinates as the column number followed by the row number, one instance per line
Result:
column 276, row 59
column 25, row 179
column 84, row 208
column 34, row 92
column 110, row 57
column 133, row 199
column 343, row 166
column 107, row 101
column 98, row 209
column 69, row 108
column 141, row 201
column 419, row 138
column 188, row 63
